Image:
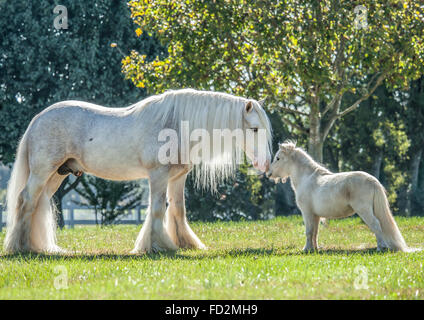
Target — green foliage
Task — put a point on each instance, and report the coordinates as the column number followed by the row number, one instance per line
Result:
column 307, row 54
column 109, row 198
column 40, row 65
column 277, row 49
column 245, row 197
column 312, row 61
column 375, row 139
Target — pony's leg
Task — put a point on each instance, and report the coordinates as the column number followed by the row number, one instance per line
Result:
column 311, row 225
column 176, row 219
column 367, row 215
column 43, row 231
column 153, row 235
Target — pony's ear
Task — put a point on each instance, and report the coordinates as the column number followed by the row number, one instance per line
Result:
column 283, row 148
column 248, row 107
column 287, row 147
column 262, row 101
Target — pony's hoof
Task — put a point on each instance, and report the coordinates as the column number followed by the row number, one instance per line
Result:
column 309, row 250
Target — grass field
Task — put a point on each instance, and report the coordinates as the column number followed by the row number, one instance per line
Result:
column 245, row 260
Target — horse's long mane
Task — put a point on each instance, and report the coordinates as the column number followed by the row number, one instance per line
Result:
column 206, row 110
column 305, row 160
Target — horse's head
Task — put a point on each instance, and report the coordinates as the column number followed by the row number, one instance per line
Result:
column 281, row 166
column 257, row 144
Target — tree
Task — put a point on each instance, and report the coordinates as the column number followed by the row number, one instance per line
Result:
column 304, row 56
column 40, row 65
column 374, row 139
column 413, row 111
column 233, row 199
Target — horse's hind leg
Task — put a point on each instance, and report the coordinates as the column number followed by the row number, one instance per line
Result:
column 28, row 204
column 176, row 219
column 367, row 215
column 43, row 236
column 153, row 236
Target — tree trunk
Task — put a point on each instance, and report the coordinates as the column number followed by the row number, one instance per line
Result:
column 376, row 166
column 57, row 198
column 414, row 171
column 316, row 141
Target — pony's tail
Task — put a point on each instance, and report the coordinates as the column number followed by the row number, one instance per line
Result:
column 391, row 233
column 17, row 182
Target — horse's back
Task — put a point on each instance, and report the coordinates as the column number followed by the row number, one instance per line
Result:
column 334, row 194
column 73, row 117
column 67, row 126
column 74, row 108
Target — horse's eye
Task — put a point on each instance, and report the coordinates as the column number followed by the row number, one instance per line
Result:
column 255, row 129
column 278, row 159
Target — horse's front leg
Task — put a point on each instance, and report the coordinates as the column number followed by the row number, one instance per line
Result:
column 311, row 225
column 176, row 219
column 153, row 237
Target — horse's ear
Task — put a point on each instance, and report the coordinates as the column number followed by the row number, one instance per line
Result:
column 262, row 101
column 248, row 107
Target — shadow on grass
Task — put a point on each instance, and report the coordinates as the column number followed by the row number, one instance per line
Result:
column 191, row 254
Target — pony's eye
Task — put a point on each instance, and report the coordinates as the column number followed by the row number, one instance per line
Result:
column 255, row 129
column 278, row 159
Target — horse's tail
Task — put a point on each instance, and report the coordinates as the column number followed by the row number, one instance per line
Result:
column 391, row 233
column 17, row 182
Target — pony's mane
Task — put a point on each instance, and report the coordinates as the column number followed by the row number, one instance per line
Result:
column 207, row 110
column 302, row 157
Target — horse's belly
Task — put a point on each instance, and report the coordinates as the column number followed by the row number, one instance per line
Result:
column 116, row 166
column 118, row 174
column 332, row 208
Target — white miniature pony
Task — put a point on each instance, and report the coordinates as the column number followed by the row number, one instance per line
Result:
column 320, row 193
column 123, row 144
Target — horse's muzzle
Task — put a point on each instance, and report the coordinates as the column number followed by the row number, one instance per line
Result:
column 261, row 167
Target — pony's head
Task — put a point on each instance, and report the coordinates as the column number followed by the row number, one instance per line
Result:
column 257, row 145
column 283, row 160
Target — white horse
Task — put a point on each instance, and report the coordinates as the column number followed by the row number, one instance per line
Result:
column 122, row 144
column 320, row 193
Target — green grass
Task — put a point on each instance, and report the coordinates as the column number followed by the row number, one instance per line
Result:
column 245, row 260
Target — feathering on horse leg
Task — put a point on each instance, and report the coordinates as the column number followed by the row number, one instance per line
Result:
column 153, row 236
column 176, row 219
column 43, row 235
column 143, row 243
column 179, row 230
